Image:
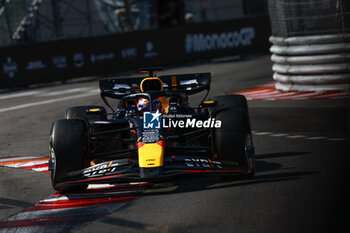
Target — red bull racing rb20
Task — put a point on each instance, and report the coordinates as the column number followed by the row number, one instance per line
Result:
column 152, row 135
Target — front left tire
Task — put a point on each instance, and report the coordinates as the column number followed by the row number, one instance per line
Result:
column 68, row 152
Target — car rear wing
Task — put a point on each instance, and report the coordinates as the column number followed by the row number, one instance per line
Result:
column 190, row 84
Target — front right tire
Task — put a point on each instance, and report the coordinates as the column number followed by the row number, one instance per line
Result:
column 233, row 141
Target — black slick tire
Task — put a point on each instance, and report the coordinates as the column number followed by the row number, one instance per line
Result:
column 233, row 141
column 68, row 152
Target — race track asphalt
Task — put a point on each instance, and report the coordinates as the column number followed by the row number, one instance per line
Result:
column 300, row 184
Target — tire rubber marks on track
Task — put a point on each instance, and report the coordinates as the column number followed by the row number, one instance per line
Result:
column 30, row 163
column 68, row 211
column 297, row 136
column 71, row 211
column 64, row 92
column 88, row 93
column 269, row 93
column 21, row 94
column 43, row 93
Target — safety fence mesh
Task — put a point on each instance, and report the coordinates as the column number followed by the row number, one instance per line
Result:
column 309, row 17
column 28, row 21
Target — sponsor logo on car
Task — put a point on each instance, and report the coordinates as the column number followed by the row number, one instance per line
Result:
column 202, row 163
column 106, row 168
column 150, row 135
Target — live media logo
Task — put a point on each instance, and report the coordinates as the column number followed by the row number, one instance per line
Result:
column 152, row 120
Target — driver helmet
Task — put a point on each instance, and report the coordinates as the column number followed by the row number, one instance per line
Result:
column 143, row 104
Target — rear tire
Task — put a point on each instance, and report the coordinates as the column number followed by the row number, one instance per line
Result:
column 233, row 141
column 68, row 152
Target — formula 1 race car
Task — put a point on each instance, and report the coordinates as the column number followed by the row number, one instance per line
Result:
column 153, row 134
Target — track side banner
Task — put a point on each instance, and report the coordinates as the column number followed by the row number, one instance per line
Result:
column 60, row 60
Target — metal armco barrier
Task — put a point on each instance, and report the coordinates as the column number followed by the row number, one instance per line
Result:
column 61, row 60
column 317, row 63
